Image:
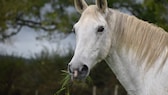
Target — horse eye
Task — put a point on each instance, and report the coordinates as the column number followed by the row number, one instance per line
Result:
column 100, row 29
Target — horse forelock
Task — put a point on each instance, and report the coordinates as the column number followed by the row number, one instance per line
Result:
column 92, row 12
column 147, row 41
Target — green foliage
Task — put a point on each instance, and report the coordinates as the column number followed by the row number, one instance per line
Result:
column 48, row 15
column 10, row 73
column 67, row 83
column 11, row 9
column 156, row 12
column 30, row 76
column 46, row 75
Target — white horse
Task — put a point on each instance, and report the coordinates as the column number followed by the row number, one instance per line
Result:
column 136, row 51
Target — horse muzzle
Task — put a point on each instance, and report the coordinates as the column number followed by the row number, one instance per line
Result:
column 79, row 73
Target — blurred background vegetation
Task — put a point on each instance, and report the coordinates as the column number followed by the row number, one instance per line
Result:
column 41, row 74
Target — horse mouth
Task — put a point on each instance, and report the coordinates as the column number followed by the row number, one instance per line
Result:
column 78, row 74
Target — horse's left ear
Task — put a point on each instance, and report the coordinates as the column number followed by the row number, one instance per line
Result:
column 80, row 5
column 102, row 5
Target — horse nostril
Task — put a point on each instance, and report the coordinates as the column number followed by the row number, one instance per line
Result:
column 84, row 69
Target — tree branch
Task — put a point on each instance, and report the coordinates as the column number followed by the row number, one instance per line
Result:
column 34, row 24
column 5, row 36
column 30, row 23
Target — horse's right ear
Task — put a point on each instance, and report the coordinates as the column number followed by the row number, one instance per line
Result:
column 80, row 5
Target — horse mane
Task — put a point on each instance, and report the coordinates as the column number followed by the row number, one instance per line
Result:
column 149, row 42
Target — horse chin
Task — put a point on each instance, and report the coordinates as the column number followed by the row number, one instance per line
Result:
column 78, row 78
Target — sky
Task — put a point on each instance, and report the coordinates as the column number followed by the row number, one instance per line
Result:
column 26, row 45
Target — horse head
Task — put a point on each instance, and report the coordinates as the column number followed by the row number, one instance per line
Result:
column 93, row 38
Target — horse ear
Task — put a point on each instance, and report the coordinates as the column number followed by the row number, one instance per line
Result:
column 102, row 5
column 80, row 5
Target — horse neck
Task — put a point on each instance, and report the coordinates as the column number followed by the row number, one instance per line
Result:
column 128, row 73
column 123, row 60
column 117, row 60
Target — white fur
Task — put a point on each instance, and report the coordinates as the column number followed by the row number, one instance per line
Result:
column 134, row 78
